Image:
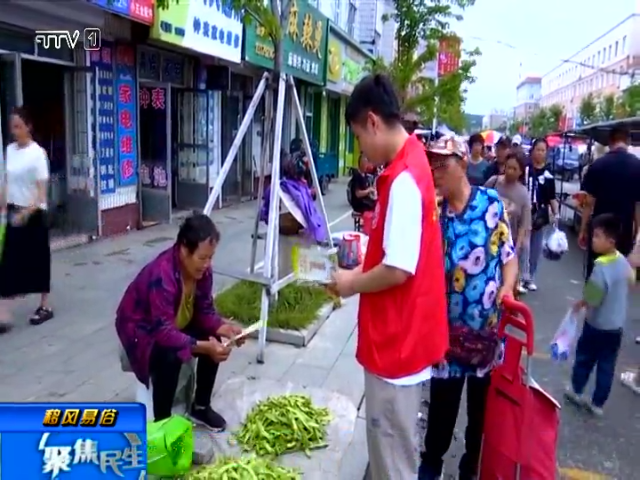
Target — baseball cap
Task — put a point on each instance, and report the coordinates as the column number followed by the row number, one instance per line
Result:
column 517, row 140
column 448, row 145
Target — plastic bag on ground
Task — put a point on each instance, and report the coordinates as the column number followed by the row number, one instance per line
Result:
column 565, row 337
column 169, row 447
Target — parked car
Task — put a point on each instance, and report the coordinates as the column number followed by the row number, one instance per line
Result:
column 565, row 162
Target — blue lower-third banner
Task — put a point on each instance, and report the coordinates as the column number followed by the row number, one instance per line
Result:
column 73, row 441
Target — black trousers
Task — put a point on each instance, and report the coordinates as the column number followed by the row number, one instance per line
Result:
column 444, row 404
column 165, row 371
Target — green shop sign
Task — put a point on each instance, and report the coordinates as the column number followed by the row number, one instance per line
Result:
column 345, row 64
column 304, row 44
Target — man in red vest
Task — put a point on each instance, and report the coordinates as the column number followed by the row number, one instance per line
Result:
column 402, row 319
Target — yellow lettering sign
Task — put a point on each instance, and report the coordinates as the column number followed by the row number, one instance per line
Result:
column 307, row 33
column 266, row 51
column 317, row 38
column 292, row 25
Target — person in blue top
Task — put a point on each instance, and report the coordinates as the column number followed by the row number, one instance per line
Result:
column 478, row 167
column 481, row 268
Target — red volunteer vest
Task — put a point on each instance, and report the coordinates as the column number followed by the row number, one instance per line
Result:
column 403, row 330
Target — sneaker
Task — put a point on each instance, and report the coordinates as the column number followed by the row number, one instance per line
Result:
column 631, row 380
column 574, row 398
column 41, row 315
column 521, row 289
column 5, row 327
column 532, row 287
column 597, row 411
column 209, row 418
column 424, row 473
column 638, row 340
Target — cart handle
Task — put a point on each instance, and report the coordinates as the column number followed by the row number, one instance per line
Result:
column 518, row 315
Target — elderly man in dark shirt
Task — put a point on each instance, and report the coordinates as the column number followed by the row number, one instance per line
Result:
column 612, row 185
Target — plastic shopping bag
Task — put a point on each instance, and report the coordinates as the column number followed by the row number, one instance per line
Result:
column 555, row 245
column 565, row 337
column 169, row 447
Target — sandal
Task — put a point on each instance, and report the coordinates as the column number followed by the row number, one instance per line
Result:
column 41, row 315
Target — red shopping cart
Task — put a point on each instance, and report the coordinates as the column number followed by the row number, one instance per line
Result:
column 521, row 419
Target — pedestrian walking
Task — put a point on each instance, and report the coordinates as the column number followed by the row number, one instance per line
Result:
column 612, row 186
column 510, row 187
column 478, row 167
column 497, row 167
column 166, row 317
column 480, row 270
column 605, row 298
column 25, row 265
column 402, row 318
column 541, row 185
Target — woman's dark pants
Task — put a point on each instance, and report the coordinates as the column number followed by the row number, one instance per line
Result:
column 165, row 371
column 444, row 404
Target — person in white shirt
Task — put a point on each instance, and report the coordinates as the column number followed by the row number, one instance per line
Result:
column 25, row 265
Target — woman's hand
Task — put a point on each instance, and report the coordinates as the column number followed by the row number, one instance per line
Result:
column 215, row 350
column 229, row 330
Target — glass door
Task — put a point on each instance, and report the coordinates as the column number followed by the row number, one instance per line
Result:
column 192, row 152
column 10, row 89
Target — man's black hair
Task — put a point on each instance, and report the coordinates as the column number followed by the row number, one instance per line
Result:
column 504, row 142
column 618, row 134
column 196, row 229
column 608, row 224
column 375, row 94
column 476, row 138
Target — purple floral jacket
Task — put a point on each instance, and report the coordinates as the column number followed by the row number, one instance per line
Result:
column 146, row 314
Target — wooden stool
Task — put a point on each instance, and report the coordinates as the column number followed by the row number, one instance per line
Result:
column 357, row 221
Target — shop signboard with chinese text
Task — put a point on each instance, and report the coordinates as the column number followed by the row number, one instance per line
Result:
column 211, row 27
column 448, row 56
column 345, row 64
column 158, row 66
column 126, row 135
column 153, row 112
column 73, row 441
column 139, row 10
column 105, row 116
column 304, row 44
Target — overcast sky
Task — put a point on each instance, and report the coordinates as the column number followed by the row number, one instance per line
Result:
column 527, row 37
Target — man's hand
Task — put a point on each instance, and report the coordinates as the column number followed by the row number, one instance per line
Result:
column 579, row 305
column 343, row 283
column 229, row 330
column 218, row 352
column 583, row 239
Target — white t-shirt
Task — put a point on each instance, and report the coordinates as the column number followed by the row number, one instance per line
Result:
column 25, row 167
column 401, row 242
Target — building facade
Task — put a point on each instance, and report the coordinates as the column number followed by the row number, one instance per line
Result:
column 527, row 98
column 607, row 65
column 495, row 120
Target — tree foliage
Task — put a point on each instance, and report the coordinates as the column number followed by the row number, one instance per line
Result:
column 514, row 127
column 628, row 104
column 545, row 121
column 588, row 109
column 607, row 108
column 420, row 26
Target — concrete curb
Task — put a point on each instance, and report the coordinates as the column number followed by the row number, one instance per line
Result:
column 299, row 338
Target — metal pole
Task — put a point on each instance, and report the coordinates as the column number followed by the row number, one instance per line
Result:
column 307, row 147
column 274, row 217
column 262, row 163
column 235, row 146
column 434, row 124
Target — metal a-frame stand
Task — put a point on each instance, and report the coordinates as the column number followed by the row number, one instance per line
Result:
column 268, row 278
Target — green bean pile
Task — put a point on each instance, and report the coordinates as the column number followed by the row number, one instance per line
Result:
column 284, row 424
column 245, row 468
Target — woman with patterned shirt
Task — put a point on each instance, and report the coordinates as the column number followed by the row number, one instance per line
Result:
column 480, row 268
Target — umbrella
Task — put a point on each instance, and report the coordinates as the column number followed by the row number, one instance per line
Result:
column 491, row 136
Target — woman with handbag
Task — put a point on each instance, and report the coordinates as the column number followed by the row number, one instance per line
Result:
column 481, row 269
column 541, row 185
column 25, row 266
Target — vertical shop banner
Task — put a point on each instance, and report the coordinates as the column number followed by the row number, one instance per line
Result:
column 153, row 113
column 102, row 61
column 448, row 56
column 126, row 137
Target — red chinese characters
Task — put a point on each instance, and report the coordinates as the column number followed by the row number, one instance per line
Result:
column 125, row 55
column 124, row 93
column 157, row 98
column 144, row 98
column 126, row 144
column 126, row 169
column 448, row 56
column 126, row 119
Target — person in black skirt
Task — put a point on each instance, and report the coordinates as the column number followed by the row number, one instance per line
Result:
column 25, row 264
